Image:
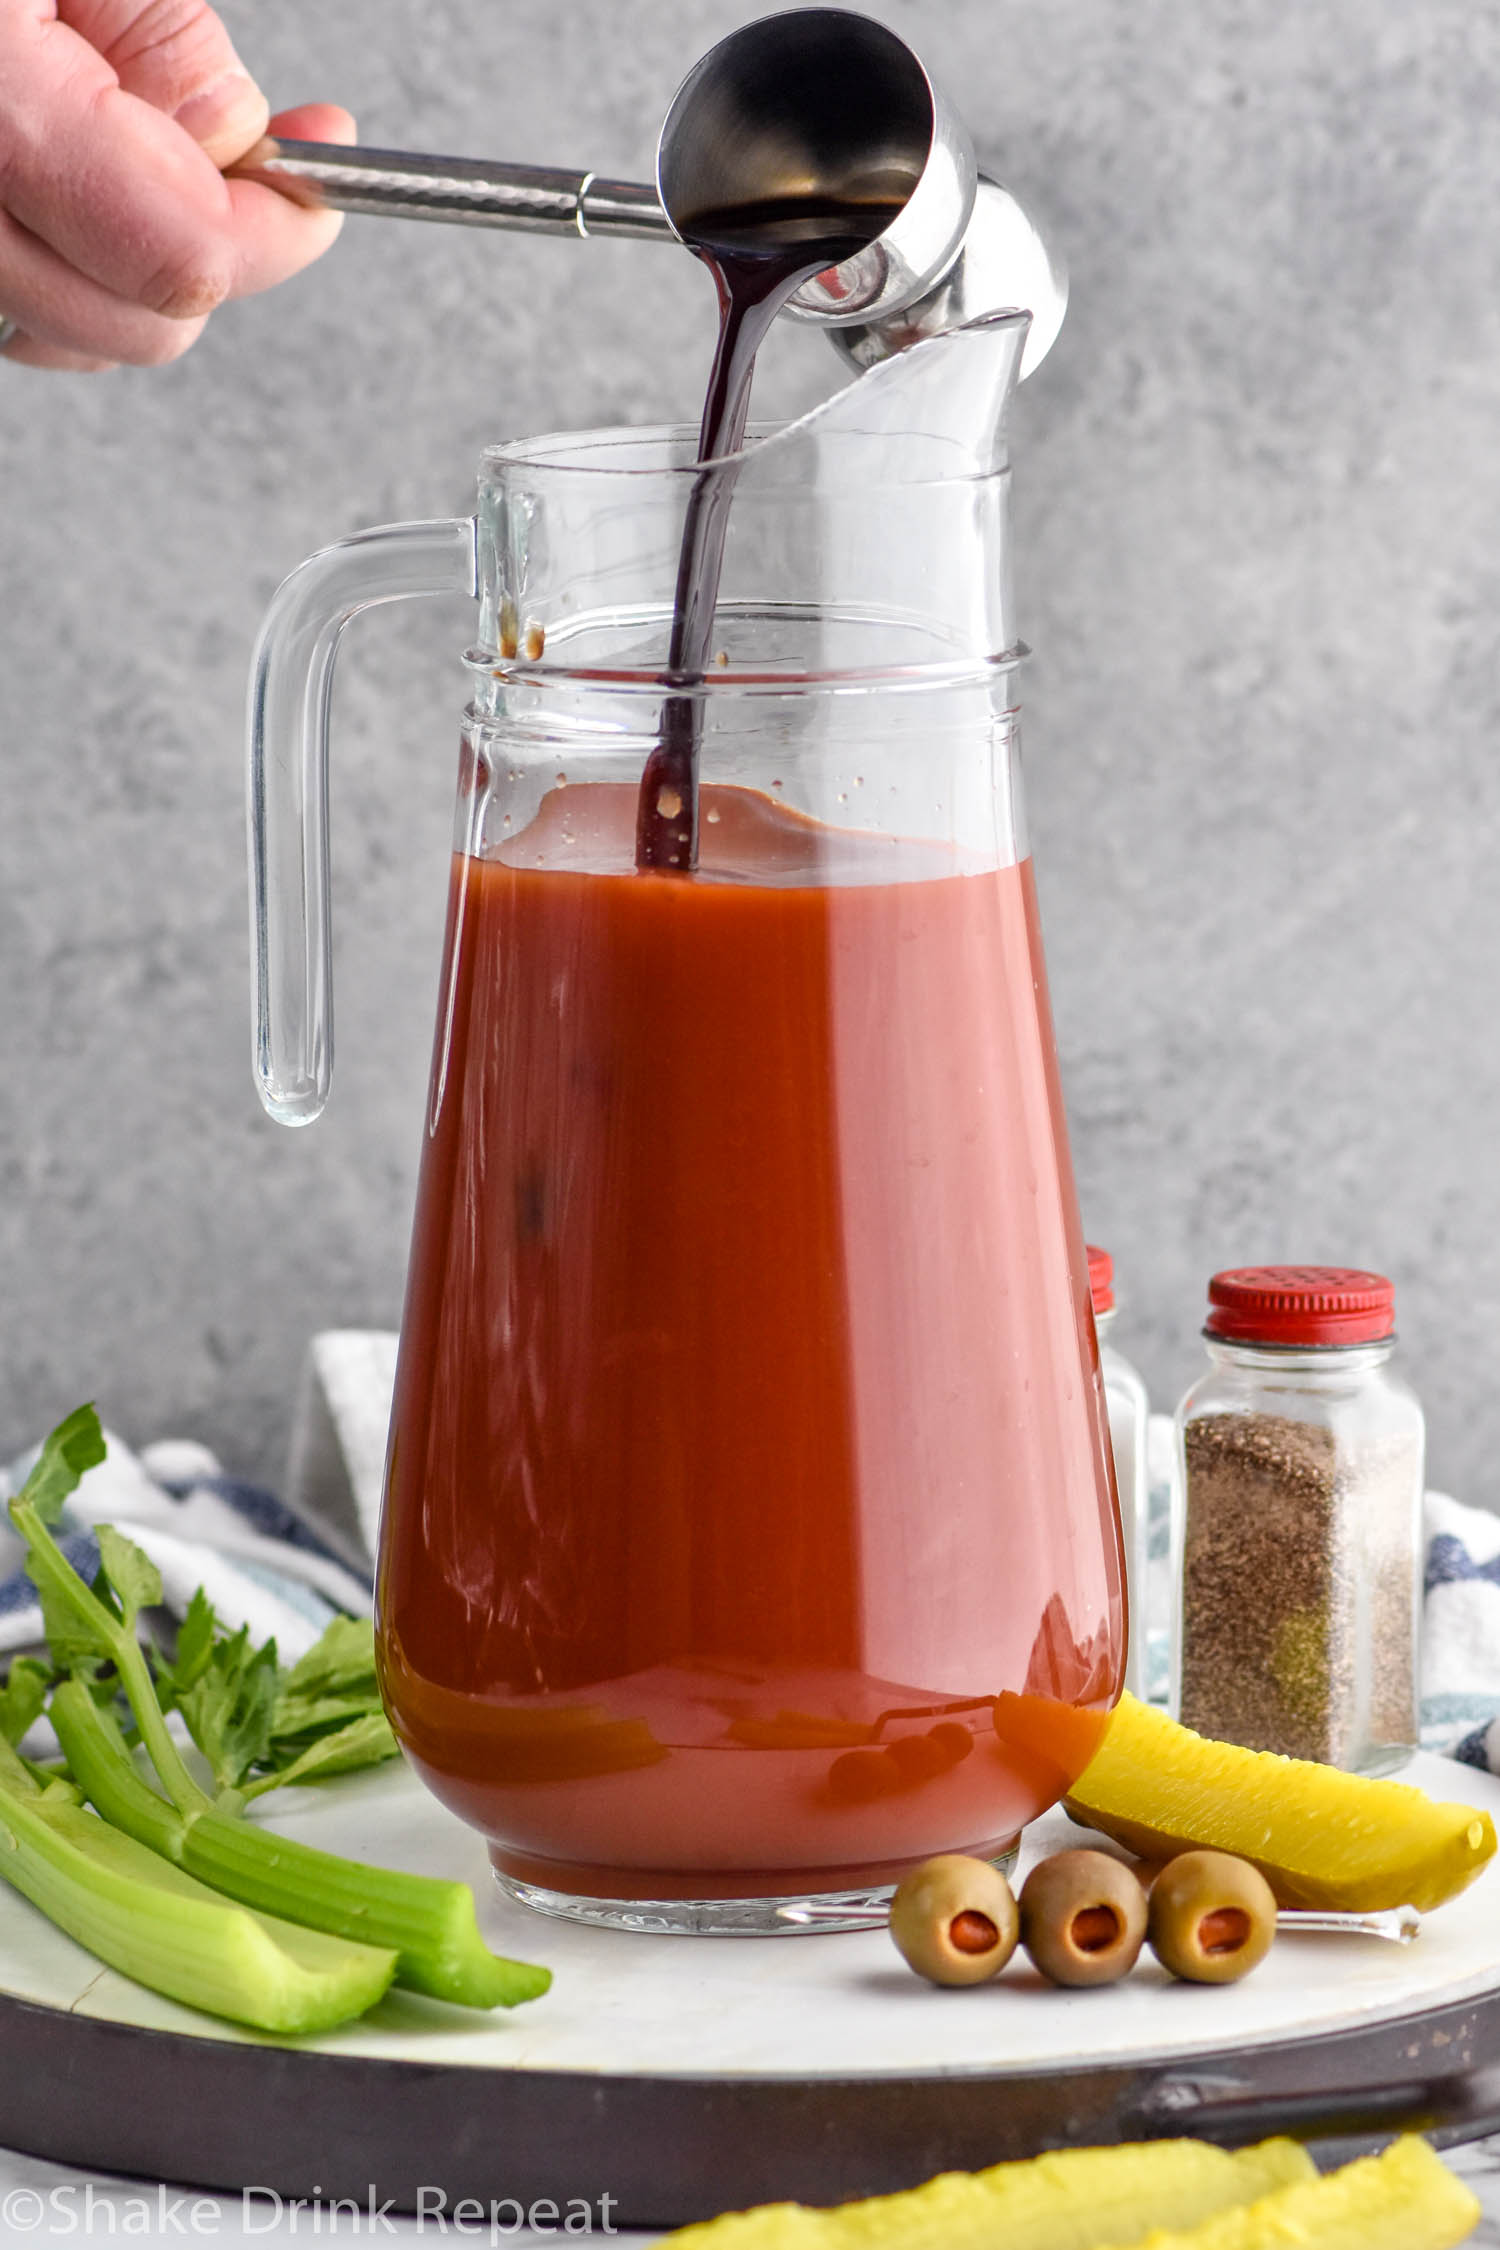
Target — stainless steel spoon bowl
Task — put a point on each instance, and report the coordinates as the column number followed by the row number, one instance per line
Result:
column 824, row 106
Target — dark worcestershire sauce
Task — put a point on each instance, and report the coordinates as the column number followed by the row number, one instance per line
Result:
column 759, row 255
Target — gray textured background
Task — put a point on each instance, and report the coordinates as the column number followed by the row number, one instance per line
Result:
column 1259, row 500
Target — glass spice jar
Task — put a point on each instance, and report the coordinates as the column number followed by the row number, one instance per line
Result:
column 1300, row 1457
column 1126, row 1404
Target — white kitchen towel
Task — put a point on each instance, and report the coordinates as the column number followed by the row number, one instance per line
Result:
column 1461, row 1633
column 261, row 1563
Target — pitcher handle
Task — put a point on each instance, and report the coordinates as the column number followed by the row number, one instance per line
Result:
column 291, row 683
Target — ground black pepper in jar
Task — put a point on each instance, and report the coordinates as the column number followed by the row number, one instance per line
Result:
column 1300, row 1455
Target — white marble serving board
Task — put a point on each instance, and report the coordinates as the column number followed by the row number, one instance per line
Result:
column 840, row 2005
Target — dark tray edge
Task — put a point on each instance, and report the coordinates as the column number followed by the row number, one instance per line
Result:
column 221, row 2115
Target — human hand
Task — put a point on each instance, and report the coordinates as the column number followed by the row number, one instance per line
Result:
column 118, row 232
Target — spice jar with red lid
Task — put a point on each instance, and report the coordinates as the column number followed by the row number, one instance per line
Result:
column 1126, row 1405
column 1300, row 1455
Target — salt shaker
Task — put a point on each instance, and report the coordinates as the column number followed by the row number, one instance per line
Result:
column 1125, row 1401
column 1300, row 1457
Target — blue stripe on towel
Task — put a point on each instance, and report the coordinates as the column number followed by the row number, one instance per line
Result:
column 1474, row 1749
column 262, row 1512
column 1449, row 1563
column 82, row 1551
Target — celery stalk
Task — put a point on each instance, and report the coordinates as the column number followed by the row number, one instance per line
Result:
column 103, row 1768
column 430, row 1924
column 146, row 1918
column 96, row 1631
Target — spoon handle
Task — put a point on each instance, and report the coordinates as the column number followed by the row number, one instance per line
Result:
column 531, row 198
column 1400, row 1924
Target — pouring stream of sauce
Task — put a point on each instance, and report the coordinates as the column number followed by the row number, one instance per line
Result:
column 759, row 255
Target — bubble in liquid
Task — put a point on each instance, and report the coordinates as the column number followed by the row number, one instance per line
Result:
column 506, row 822
column 562, row 781
column 859, row 781
column 776, row 785
column 843, row 796
column 712, row 814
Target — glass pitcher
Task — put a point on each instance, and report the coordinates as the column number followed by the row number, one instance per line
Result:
column 749, row 1529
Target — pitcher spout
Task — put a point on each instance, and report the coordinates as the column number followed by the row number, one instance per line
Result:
column 889, row 505
column 936, row 410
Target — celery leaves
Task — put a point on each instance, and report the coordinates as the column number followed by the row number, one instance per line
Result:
column 360, row 1742
column 342, row 1659
column 259, row 1727
column 23, row 1695
column 133, row 1576
column 228, row 1708
column 75, row 1446
column 328, row 1717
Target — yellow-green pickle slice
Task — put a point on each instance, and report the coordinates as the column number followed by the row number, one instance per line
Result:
column 1161, row 2195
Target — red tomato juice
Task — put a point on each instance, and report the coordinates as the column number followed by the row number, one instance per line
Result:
column 750, row 1525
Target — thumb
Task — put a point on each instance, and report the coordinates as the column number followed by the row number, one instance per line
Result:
column 176, row 55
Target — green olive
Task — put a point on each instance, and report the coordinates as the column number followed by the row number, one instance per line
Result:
column 1212, row 1917
column 916, row 1757
column 954, row 1921
column 860, row 1776
column 1083, row 1916
column 954, row 1741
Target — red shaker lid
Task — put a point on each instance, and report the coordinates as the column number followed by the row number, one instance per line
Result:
column 1101, row 1279
column 1300, row 1305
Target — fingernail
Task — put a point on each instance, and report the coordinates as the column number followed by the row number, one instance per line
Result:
column 226, row 117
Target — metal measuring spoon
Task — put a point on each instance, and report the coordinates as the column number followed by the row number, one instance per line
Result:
column 814, row 102
column 1398, row 1924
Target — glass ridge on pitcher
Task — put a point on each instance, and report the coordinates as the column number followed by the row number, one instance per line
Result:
column 750, row 1531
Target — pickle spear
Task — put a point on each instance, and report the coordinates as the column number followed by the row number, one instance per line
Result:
column 1404, row 2199
column 1320, row 1837
column 1075, row 2199
column 1162, row 2195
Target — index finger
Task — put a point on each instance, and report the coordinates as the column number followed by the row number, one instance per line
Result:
column 176, row 55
